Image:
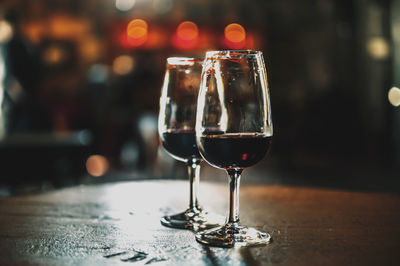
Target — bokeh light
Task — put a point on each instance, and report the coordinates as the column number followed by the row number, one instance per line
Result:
column 186, row 36
column 34, row 31
column 63, row 26
column 187, row 30
column 54, row 55
column 123, row 64
column 235, row 33
column 98, row 73
column 125, row 5
column 6, row 31
column 97, row 165
column 137, row 32
column 394, row 96
column 235, row 36
column 90, row 48
column 378, row 48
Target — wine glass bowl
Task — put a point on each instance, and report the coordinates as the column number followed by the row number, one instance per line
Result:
column 233, row 131
column 177, row 117
column 176, row 126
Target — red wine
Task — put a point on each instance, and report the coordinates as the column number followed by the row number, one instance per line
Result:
column 234, row 150
column 181, row 144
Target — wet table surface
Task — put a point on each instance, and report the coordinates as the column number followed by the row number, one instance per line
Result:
column 118, row 224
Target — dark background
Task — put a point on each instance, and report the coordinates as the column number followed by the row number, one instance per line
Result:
column 75, row 111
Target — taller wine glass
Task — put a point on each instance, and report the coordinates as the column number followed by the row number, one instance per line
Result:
column 234, row 131
column 176, row 126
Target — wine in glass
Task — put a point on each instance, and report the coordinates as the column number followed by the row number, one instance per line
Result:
column 233, row 131
column 176, row 126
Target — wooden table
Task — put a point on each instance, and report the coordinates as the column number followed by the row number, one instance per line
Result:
column 118, row 224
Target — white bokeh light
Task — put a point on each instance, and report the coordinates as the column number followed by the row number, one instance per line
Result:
column 125, row 5
column 394, row 96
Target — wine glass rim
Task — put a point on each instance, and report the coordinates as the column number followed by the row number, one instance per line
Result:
column 177, row 60
column 226, row 54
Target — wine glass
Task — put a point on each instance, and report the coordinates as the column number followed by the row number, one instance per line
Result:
column 233, row 131
column 176, row 127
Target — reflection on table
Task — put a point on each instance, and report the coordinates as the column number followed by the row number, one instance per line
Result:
column 111, row 224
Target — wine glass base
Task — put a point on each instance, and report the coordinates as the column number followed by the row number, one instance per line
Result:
column 233, row 235
column 193, row 219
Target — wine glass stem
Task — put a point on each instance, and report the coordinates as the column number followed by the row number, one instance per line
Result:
column 234, row 185
column 194, row 176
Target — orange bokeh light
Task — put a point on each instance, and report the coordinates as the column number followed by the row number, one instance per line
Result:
column 137, row 32
column 235, row 35
column 187, row 30
column 97, row 165
column 137, row 28
column 186, row 36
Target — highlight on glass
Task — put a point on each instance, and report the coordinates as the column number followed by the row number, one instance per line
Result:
column 233, row 131
column 176, row 125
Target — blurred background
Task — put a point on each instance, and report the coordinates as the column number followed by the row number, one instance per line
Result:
column 80, row 83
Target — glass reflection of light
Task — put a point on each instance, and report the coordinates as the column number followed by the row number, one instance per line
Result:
column 123, row 64
column 2, row 77
column 394, row 96
column 212, row 66
column 125, row 5
column 97, row 165
column 221, row 95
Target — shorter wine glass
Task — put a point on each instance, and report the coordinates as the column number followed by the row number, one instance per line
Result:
column 176, row 126
column 233, row 131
